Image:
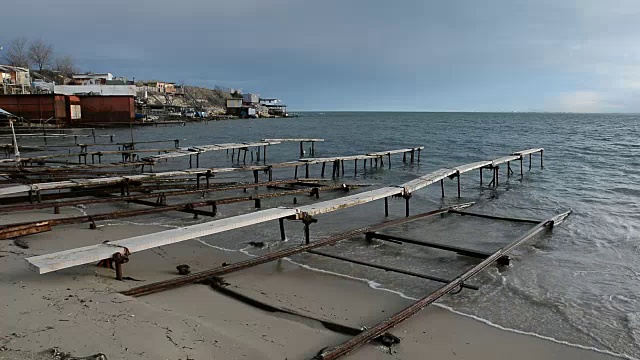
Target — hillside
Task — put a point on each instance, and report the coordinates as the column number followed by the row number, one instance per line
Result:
column 210, row 100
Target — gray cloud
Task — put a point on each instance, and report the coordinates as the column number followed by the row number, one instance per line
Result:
column 415, row 55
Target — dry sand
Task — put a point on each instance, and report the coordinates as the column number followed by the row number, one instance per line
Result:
column 79, row 311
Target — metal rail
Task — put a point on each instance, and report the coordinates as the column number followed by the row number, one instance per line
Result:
column 388, row 268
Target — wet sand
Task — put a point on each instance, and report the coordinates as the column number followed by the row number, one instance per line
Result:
column 79, row 311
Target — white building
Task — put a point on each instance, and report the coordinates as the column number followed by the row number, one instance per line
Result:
column 251, row 98
column 91, row 79
column 107, row 90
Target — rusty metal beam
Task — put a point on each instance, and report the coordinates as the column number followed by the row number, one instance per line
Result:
column 189, row 279
column 465, row 213
column 384, row 326
column 10, row 232
column 58, row 204
column 188, row 208
column 390, row 269
column 478, row 254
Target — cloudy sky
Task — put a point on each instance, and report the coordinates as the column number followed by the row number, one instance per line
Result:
column 402, row 55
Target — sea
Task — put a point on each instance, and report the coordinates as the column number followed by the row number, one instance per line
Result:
column 577, row 284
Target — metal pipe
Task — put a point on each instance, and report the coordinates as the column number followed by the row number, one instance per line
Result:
column 464, row 213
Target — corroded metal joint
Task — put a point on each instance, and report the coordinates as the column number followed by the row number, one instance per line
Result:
column 308, row 219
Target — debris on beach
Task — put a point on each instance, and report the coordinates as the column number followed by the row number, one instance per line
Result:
column 183, row 269
column 57, row 354
column 21, row 243
column 258, row 244
column 215, row 281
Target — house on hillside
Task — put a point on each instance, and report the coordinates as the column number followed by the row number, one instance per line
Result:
column 14, row 80
column 275, row 106
column 251, row 99
column 91, row 79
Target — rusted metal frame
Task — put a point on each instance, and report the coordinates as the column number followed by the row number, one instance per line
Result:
column 22, row 230
column 188, row 208
column 465, row 213
column 189, row 279
column 390, row 269
column 458, row 250
column 90, row 166
column 54, row 196
column 160, row 207
column 115, row 215
column 382, row 327
column 39, row 171
column 107, row 216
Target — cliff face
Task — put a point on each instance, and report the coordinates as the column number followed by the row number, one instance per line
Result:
column 210, row 100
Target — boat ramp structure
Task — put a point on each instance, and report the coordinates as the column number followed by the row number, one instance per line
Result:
column 80, row 185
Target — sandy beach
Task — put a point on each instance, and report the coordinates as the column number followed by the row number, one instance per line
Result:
column 79, row 310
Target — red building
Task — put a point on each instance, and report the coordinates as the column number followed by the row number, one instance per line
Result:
column 71, row 110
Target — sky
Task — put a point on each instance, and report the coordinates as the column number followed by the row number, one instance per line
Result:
column 354, row 55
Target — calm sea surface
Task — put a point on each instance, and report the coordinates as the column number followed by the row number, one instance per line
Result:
column 577, row 284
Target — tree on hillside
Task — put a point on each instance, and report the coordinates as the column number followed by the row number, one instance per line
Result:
column 65, row 65
column 16, row 53
column 40, row 54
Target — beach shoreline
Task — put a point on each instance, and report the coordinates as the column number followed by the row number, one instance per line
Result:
column 79, row 310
